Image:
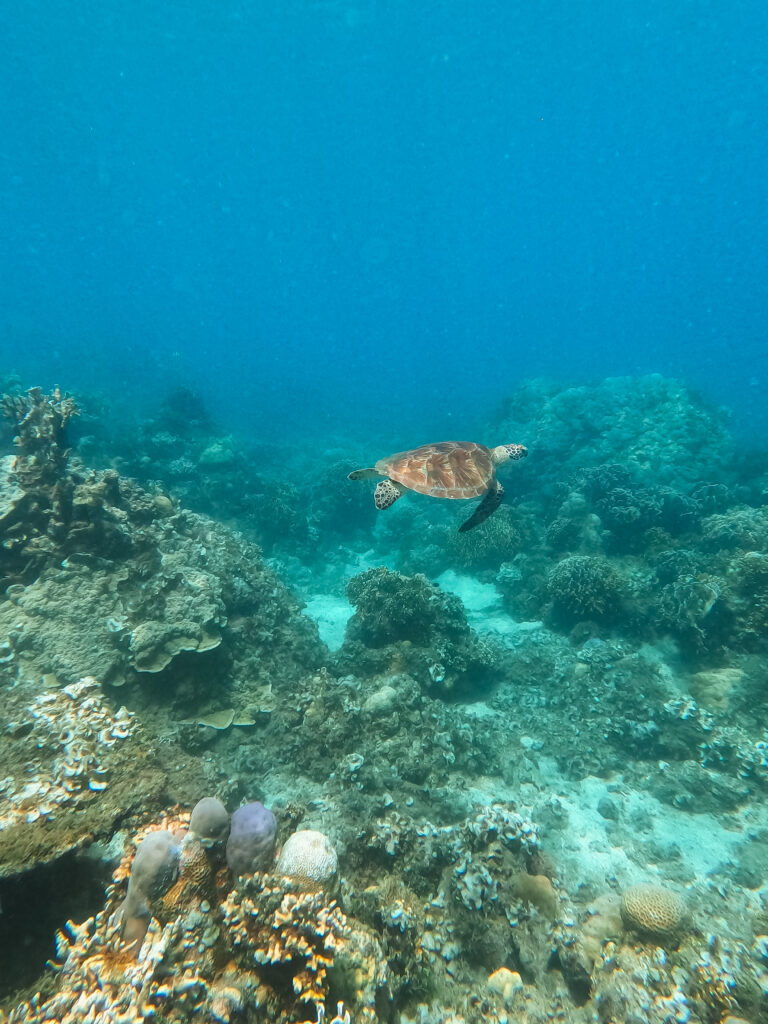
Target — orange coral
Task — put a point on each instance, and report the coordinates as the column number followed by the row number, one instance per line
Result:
column 271, row 921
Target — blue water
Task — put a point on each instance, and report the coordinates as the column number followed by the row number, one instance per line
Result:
column 378, row 217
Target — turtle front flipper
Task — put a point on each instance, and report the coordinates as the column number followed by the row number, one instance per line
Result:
column 486, row 508
column 387, row 492
column 363, row 474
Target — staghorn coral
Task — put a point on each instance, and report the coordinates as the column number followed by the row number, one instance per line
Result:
column 99, row 982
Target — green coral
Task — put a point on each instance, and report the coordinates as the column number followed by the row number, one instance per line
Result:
column 393, row 607
column 405, row 623
column 583, row 586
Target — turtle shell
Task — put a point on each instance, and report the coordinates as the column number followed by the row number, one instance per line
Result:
column 449, row 469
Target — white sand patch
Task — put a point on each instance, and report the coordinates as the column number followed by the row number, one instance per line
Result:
column 586, row 853
column 330, row 609
column 591, row 851
column 478, row 598
column 331, row 615
column 485, row 608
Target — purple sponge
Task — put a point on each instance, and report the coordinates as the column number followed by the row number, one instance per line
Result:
column 252, row 839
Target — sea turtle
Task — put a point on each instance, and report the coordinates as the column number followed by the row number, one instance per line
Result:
column 449, row 469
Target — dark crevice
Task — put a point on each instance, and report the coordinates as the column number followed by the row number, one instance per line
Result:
column 34, row 905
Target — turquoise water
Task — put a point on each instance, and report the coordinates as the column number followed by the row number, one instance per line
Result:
column 383, row 212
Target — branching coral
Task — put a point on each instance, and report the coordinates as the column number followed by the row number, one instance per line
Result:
column 408, row 622
column 392, row 607
column 272, row 922
column 39, row 423
column 582, row 586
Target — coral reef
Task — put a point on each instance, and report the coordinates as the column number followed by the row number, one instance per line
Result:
column 66, row 755
column 273, row 924
column 582, row 586
column 601, row 674
column 39, row 430
column 164, row 950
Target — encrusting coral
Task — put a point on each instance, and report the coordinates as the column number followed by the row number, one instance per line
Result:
column 66, row 753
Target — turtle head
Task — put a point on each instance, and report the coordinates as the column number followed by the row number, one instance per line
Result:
column 504, row 452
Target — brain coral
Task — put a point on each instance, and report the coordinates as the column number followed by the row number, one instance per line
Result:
column 310, row 855
column 653, row 909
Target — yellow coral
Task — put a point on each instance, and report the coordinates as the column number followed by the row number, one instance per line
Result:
column 653, row 909
column 271, row 920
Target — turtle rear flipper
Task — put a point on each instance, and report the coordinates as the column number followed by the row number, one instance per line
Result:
column 387, row 492
column 363, row 474
column 486, row 508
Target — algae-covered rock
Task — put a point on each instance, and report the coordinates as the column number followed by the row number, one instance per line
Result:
column 128, row 586
column 73, row 765
column 406, row 621
column 660, row 430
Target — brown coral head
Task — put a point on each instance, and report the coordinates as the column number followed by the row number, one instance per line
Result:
column 653, row 910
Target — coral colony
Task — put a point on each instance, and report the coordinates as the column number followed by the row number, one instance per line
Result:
column 277, row 756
